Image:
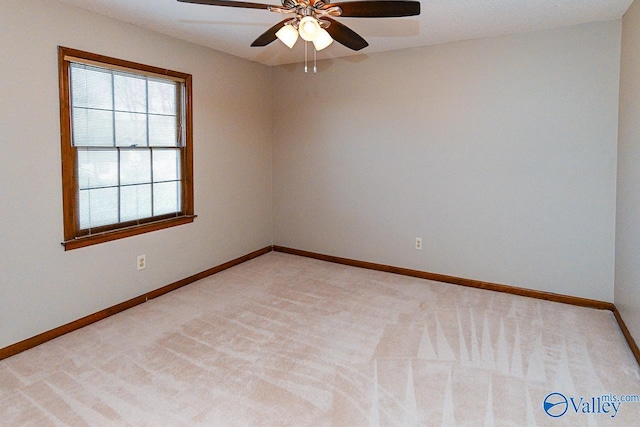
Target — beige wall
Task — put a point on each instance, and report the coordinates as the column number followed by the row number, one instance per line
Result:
column 41, row 285
column 500, row 153
column 627, row 288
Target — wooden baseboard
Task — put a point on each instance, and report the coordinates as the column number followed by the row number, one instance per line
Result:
column 584, row 302
column 623, row 327
column 548, row 296
column 103, row 314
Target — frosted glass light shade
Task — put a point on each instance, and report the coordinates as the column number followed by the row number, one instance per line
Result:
column 309, row 28
column 322, row 40
column 287, row 35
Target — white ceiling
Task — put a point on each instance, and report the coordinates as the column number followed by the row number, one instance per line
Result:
column 232, row 30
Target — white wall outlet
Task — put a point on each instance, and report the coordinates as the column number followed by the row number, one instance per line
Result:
column 142, row 262
column 419, row 243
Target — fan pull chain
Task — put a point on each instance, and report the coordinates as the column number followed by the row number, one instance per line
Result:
column 315, row 68
column 306, row 70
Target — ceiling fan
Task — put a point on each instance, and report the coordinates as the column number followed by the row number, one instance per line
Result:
column 313, row 19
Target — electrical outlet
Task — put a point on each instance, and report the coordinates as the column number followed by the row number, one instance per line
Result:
column 419, row 243
column 142, row 262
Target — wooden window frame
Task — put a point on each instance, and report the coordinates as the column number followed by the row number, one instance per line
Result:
column 74, row 237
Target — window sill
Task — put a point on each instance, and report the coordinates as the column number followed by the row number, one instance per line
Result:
column 94, row 239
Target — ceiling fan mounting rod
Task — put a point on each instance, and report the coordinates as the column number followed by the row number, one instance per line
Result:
column 304, row 8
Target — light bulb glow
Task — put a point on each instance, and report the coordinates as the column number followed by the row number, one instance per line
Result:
column 309, row 28
column 322, row 40
column 288, row 35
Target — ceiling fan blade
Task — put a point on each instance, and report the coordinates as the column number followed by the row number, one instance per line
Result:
column 229, row 3
column 345, row 35
column 269, row 35
column 377, row 8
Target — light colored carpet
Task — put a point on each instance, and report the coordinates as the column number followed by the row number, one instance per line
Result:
column 289, row 341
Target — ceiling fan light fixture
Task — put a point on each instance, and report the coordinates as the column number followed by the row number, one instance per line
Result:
column 322, row 40
column 288, row 35
column 309, row 28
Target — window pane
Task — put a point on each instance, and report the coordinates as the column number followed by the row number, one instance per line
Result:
column 166, row 165
column 130, row 93
column 135, row 202
column 166, row 198
column 135, row 166
column 162, row 97
column 92, row 128
column 98, row 207
column 162, row 131
column 91, row 87
column 97, row 168
column 131, row 129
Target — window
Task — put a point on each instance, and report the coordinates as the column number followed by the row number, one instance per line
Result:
column 126, row 148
